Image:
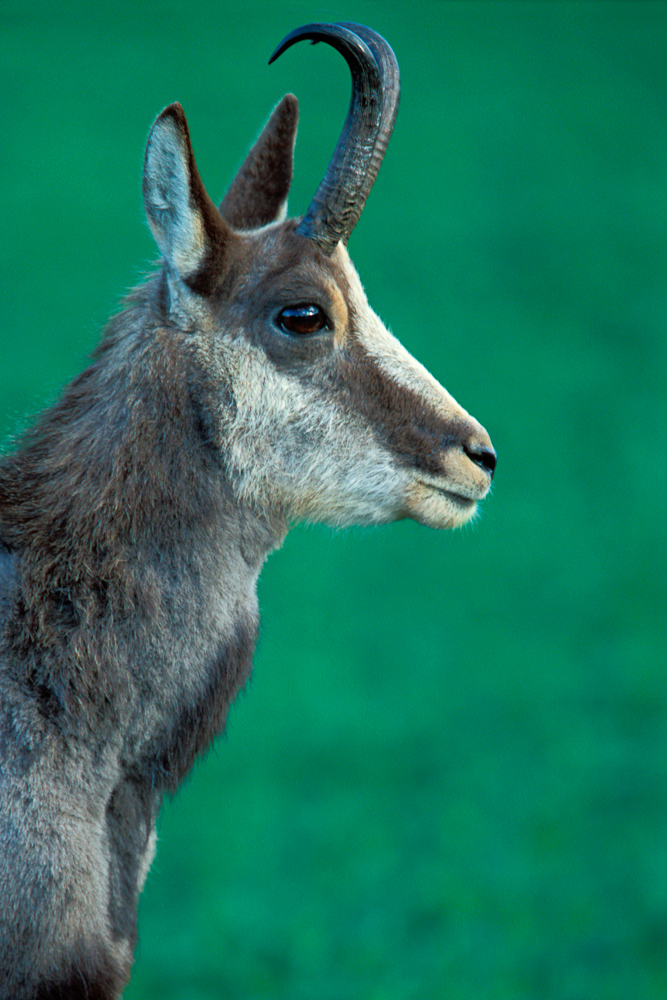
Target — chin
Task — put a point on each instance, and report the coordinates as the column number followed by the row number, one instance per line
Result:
column 437, row 509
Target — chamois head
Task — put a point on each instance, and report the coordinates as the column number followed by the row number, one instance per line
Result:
column 314, row 410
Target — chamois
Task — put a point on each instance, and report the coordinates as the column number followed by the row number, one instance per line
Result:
column 245, row 386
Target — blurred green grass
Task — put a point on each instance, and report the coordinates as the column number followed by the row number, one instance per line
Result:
column 449, row 774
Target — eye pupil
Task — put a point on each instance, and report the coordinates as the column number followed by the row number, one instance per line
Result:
column 303, row 319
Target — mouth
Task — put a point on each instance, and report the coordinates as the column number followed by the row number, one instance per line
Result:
column 440, row 507
column 462, row 501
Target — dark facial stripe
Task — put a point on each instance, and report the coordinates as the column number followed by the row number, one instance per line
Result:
column 407, row 425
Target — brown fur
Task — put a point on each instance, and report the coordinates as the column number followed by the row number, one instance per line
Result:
column 269, row 174
column 417, row 434
column 134, row 521
column 90, row 976
column 89, row 484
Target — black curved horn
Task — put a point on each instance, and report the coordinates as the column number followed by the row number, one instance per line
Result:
column 340, row 198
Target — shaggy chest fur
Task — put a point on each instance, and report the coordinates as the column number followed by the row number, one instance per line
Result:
column 98, row 719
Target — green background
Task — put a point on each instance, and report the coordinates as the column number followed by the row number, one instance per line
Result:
column 448, row 777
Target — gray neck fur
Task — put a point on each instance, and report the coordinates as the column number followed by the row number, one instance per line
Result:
column 109, row 692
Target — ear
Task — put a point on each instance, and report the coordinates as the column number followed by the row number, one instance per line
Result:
column 186, row 225
column 258, row 193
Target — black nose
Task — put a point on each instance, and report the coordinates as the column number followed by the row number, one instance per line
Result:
column 482, row 456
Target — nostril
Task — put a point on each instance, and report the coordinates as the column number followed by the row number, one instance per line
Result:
column 482, row 456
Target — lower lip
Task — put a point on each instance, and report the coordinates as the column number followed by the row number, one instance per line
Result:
column 456, row 498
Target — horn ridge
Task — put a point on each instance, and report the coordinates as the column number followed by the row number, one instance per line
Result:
column 391, row 87
column 341, row 195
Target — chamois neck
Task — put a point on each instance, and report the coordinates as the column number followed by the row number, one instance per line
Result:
column 129, row 552
column 117, row 482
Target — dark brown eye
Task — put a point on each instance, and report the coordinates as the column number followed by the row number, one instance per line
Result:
column 302, row 320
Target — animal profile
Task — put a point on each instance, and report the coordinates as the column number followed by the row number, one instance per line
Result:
column 245, row 386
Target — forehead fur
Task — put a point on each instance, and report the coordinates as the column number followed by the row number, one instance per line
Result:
column 290, row 267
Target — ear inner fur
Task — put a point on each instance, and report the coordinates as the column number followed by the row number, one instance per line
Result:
column 189, row 219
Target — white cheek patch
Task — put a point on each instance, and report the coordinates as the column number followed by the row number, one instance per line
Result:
column 289, row 446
